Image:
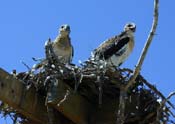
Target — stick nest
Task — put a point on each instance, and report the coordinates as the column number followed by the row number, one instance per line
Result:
column 100, row 84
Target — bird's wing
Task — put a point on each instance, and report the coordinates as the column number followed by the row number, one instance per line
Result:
column 112, row 46
column 72, row 53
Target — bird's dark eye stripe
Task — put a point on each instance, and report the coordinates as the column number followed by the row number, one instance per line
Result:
column 62, row 26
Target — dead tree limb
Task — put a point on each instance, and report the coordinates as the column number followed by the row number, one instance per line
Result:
column 123, row 90
column 145, row 49
column 158, row 92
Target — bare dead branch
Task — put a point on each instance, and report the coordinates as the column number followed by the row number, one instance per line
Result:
column 162, row 105
column 152, row 87
column 158, row 92
column 166, row 100
column 131, row 82
column 145, row 49
column 169, row 97
column 26, row 65
column 172, row 113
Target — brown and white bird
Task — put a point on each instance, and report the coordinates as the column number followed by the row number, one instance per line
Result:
column 117, row 49
column 62, row 45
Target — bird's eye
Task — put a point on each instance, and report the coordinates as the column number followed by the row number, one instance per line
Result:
column 129, row 25
column 62, row 26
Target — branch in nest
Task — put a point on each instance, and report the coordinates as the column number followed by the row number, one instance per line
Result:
column 145, row 49
column 167, row 99
column 131, row 82
column 121, row 110
column 162, row 105
column 158, row 92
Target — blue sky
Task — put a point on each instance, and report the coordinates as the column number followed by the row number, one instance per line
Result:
column 26, row 25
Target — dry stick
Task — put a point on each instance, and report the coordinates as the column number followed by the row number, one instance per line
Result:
column 121, row 108
column 160, row 109
column 152, row 87
column 145, row 49
column 165, row 100
column 157, row 92
column 131, row 82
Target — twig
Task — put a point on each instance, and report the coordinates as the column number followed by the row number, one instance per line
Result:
column 171, row 113
column 157, row 92
column 165, row 100
column 162, row 105
column 65, row 98
column 26, row 65
column 145, row 49
column 37, row 59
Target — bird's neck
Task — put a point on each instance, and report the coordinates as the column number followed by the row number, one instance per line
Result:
column 130, row 33
column 126, row 34
column 63, row 40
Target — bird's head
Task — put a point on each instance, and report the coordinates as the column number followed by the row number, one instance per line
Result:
column 130, row 27
column 64, row 29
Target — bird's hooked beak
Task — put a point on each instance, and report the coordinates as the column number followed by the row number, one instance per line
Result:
column 64, row 29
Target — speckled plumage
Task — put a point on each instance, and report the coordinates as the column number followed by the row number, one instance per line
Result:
column 117, row 49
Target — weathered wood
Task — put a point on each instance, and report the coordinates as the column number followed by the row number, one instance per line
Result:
column 27, row 102
column 72, row 105
column 31, row 105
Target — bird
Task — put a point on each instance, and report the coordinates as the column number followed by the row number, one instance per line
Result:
column 114, row 51
column 62, row 46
